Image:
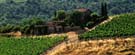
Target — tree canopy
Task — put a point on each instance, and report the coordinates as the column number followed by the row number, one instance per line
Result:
column 12, row 9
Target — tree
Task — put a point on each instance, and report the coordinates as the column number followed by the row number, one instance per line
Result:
column 60, row 15
column 104, row 9
column 115, row 10
column 9, row 1
column 75, row 18
column 28, row 24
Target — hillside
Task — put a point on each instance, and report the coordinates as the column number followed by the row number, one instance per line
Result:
column 2, row 1
column 46, row 8
column 122, row 25
column 67, row 27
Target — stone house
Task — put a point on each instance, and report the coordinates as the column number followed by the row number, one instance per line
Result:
column 53, row 27
column 56, row 27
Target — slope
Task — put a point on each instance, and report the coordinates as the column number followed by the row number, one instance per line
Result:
column 122, row 25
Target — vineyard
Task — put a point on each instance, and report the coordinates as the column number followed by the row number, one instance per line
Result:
column 122, row 25
column 27, row 46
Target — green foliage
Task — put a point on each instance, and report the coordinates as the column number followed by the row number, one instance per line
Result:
column 60, row 15
column 75, row 18
column 1, row 1
column 27, row 24
column 46, row 8
column 12, row 11
column 89, row 23
column 78, row 18
column 31, row 21
column 6, row 28
column 26, row 46
column 104, row 11
column 24, row 26
column 123, row 25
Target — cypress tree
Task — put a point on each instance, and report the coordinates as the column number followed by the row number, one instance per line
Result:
column 104, row 9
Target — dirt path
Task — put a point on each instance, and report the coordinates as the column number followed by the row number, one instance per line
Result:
column 72, row 39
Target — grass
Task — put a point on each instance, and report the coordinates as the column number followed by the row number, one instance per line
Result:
column 118, row 46
column 122, row 25
column 27, row 46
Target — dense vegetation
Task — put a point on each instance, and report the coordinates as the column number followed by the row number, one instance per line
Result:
column 122, row 25
column 78, row 17
column 12, row 9
column 26, row 46
column 25, row 25
column 1, row 1
column 86, row 18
